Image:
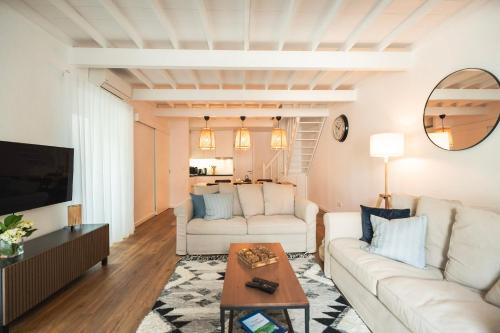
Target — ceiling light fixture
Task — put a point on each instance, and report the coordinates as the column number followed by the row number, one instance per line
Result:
column 443, row 138
column 278, row 137
column 242, row 141
column 207, row 137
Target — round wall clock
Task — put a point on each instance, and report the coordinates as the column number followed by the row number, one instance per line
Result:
column 340, row 128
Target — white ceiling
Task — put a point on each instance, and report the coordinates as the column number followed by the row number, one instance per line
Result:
column 288, row 25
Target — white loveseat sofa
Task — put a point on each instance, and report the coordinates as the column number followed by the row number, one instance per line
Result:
column 463, row 261
column 296, row 232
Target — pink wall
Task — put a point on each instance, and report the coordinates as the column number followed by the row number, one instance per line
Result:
column 179, row 160
column 343, row 175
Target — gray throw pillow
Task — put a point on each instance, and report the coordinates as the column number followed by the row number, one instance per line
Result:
column 400, row 239
column 218, row 206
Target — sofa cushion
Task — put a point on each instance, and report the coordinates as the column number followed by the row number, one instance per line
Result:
column 493, row 295
column 440, row 217
column 278, row 199
column 474, row 255
column 400, row 239
column 367, row 212
column 251, row 199
column 438, row 306
column 370, row 268
column 199, row 210
column 204, row 189
column 230, row 188
column 404, row 201
column 235, row 226
column 275, row 225
column 218, row 206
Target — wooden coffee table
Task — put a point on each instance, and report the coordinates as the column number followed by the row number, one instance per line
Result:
column 236, row 296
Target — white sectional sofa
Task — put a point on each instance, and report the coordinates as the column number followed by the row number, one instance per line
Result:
column 463, row 262
column 296, row 232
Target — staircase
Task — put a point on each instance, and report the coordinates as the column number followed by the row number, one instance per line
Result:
column 293, row 164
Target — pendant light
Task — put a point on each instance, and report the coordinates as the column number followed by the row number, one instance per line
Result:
column 207, row 137
column 242, row 141
column 278, row 137
column 441, row 139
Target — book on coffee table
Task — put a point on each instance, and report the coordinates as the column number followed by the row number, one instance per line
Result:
column 258, row 322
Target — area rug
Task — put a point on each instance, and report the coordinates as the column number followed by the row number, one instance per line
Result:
column 190, row 300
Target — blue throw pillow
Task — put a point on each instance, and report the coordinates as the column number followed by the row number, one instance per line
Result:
column 218, row 206
column 400, row 239
column 389, row 214
column 199, row 209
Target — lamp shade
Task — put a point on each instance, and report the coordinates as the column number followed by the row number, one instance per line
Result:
column 242, row 141
column 278, row 139
column 387, row 145
column 441, row 139
column 207, row 139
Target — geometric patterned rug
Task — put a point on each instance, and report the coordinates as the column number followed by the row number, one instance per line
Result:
column 190, row 300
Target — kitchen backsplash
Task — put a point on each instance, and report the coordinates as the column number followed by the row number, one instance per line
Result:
column 224, row 166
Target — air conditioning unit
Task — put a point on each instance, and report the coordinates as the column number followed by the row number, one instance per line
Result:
column 111, row 82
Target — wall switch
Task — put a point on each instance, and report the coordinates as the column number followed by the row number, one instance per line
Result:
column 339, row 204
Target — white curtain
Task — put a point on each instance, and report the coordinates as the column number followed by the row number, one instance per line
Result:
column 103, row 141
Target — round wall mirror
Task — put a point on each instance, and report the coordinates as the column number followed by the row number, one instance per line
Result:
column 463, row 109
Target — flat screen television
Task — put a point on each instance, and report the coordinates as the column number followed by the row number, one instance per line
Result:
column 33, row 176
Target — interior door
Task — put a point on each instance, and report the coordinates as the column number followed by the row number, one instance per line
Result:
column 162, row 171
column 144, row 173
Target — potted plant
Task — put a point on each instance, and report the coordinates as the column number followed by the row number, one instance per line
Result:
column 12, row 231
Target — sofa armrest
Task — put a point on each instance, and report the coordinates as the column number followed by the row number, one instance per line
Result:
column 307, row 211
column 340, row 225
column 184, row 214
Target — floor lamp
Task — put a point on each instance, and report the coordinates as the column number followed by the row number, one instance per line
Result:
column 386, row 145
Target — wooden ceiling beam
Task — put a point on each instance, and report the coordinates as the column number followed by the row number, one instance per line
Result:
column 123, row 22
column 287, row 19
column 376, row 10
column 465, row 95
column 417, row 14
column 165, row 22
column 143, row 78
column 326, row 21
column 78, row 19
column 246, row 24
column 205, row 22
column 239, row 59
column 248, row 112
column 240, row 95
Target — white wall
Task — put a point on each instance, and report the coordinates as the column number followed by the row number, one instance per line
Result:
column 343, row 174
column 31, row 97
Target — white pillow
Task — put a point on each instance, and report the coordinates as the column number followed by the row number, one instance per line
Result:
column 474, row 254
column 493, row 295
column 279, row 199
column 251, row 199
column 230, row 188
column 218, row 206
column 440, row 217
column 400, row 239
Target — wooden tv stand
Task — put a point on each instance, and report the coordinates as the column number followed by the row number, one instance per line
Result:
column 49, row 263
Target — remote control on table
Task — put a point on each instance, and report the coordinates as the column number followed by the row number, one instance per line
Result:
column 266, row 288
column 263, row 281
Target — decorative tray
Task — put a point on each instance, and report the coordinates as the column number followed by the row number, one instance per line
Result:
column 257, row 256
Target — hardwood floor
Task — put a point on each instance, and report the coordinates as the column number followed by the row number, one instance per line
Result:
column 115, row 298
